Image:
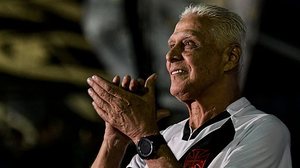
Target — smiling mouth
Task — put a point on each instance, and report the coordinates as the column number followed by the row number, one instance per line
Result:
column 178, row 71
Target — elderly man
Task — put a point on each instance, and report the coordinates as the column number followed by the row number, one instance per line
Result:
column 223, row 128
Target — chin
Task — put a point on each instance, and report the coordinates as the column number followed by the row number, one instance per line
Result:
column 180, row 95
column 174, row 91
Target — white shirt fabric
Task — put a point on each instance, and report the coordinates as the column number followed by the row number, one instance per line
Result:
column 260, row 140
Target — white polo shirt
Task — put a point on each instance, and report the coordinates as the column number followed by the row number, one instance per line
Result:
column 240, row 137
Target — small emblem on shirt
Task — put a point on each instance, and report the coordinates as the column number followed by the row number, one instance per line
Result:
column 196, row 158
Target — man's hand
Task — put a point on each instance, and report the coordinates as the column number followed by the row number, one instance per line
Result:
column 137, row 86
column 112, row 134
column 132, row 114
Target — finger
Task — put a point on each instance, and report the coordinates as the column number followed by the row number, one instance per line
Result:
column 100, row 85
column 97, row 82
column 101, row 103
column 102, row 113
column 126, row 82
column 114, row 94
column 134, row 85
column 150, row 83
column 116, row 80
column 96, row 88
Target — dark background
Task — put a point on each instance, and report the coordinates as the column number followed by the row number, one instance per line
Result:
column 46, row 119
column 272, row 82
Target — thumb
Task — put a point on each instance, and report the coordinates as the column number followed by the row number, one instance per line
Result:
column 150, row 82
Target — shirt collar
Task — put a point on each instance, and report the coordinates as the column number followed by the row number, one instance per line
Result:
column 237, row 106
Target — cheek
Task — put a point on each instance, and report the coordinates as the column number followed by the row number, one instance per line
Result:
column 203, row 73
column 199, row 74
column 204, row 66
column 198, row 68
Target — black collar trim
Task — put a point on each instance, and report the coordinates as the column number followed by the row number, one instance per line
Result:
column 187, row 131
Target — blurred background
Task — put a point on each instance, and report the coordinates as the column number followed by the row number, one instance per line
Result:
column 48, row 48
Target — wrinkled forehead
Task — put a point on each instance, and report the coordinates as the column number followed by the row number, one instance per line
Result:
column 192, row 25
column 191, row 22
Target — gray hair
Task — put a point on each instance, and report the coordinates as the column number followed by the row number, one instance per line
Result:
column 226, row 24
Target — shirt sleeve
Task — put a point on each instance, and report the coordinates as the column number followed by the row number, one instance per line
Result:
column 136, row 162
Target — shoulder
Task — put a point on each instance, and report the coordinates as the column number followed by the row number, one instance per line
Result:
column 257, row 126
column 246, row 116
column 271, row 125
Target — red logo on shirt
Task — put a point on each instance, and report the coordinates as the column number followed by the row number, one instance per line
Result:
column 196, row 158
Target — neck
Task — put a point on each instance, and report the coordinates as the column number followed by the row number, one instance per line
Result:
column 211, row 103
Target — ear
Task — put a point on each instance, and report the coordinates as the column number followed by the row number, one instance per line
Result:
column 231, row 57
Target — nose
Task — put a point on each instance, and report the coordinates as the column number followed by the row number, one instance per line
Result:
column 174, row 54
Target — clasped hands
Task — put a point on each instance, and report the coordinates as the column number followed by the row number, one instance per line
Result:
column 127, row 106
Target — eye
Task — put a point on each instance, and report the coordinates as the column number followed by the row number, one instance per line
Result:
column 189, row 44
column 171, row 45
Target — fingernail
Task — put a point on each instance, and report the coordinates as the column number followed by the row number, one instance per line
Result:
column 155, row 76
column 89, row 80
column 89, row 90
column 94, row 104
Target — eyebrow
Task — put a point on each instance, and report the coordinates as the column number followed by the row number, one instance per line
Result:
column 186, row 34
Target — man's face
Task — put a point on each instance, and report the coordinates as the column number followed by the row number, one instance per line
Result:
column 194, row 61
